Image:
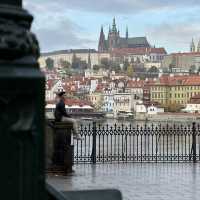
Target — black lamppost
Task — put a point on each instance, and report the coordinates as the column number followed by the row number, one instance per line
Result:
column 22, row 88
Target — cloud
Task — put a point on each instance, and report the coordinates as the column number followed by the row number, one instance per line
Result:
column 55, row 30
column 61, row 36
column 178, row 34
column 115, row 6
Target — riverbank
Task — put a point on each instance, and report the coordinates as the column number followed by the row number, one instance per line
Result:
column 169, row 117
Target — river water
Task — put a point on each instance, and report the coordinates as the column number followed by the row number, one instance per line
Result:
column 136, row 141
column 132, row 122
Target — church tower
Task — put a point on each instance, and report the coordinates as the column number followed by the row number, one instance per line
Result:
column 198, row 46
column 102, row 41
column 113, row 36
column 192, row 46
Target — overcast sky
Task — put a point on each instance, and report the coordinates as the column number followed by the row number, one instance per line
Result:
column 66, row 24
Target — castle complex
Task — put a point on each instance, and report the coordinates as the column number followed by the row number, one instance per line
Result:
column 114, row 40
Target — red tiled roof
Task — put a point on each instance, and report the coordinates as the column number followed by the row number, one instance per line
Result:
column 135, row 84
column 178, row 80
column 50, row 83
column 71, row 102
column 138, row 51
column 186, row 54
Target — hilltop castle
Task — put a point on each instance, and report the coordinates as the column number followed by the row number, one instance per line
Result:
column 114, row 40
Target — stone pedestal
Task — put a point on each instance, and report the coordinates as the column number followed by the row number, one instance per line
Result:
column 63, row 151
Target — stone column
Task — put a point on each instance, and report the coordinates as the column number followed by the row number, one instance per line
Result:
column 22, row 88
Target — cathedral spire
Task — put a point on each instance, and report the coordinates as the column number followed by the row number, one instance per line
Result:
column 192, row 46
column 114, row 28
column 126, row 32
column 102, row 30
column 102, row 42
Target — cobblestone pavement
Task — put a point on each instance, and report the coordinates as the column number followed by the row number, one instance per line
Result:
column 136, row 181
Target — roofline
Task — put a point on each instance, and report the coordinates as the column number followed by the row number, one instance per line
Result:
column 68, row 51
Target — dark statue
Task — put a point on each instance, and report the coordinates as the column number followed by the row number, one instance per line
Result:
column 12, row 2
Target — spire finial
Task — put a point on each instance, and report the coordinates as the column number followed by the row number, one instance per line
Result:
column 114, row 28
column 102, row 28
column 114, row 21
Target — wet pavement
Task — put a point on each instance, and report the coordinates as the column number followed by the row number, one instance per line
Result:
column 136, row 181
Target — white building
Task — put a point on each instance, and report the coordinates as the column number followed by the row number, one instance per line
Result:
column 140, row 108
column 90, row 73
column 51, row 90
column 153, row 110
column 67, row 55
column 122, row 103
column 192, row 108
column 148, row 65
column 140, row 54
column 108, row 101
column 93, row 85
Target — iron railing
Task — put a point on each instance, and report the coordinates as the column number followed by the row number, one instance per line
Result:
column 148, row 143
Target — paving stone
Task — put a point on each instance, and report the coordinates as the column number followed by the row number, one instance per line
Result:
column 136, row 181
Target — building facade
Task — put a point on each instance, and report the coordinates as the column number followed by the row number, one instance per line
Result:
column 182, row 60
column 108, row 101
column 175, row 90
column 90, row 56
column 151, row 55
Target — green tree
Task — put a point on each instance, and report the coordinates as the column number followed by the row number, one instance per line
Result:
column 105, row 62
column 172, row 107
column 75, row 62
column 96, row 67
column 126, row 64
column 66, row 67
column 198, row 70
column 130, row 71
column 64, row 64
column 138, row 60
column 114, row 66
column 192, row 69
column 153, row 69
column 49, row 63
column 153, row 72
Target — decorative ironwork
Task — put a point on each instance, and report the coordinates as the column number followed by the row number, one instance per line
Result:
column 148, row 143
